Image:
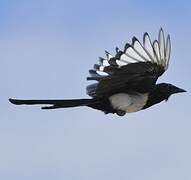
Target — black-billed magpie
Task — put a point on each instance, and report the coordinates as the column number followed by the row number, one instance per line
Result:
column 126, row 82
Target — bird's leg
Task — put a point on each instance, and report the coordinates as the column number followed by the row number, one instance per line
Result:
column 120, row 113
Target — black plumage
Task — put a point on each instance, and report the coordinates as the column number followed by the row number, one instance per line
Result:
column 126, row 82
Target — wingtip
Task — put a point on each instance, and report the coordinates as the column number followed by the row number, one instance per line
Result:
column 118, row 54
column 107, row 53
column 161, row 29
column 117, row 50
column 96, row 67
column 168, row 37
column 134, row 39
column 161, row 32
column 145, row 34
column 146, row 37
column 127, row 45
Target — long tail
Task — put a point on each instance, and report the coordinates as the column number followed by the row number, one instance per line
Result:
column 54, row 104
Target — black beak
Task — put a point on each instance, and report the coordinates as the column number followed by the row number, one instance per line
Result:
column 179, row 90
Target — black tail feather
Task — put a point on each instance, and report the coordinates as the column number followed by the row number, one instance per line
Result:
column 54, row 103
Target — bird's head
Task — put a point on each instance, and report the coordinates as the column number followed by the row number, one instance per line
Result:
column 168, row 89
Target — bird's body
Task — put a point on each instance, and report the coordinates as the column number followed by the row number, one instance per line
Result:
column 126, row 82
column 128, row 102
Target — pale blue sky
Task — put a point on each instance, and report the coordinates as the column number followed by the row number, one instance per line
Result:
column 46, row 50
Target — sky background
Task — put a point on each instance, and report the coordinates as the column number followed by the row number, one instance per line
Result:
column 46, row 50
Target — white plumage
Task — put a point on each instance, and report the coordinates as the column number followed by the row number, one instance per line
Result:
column 128, row 102
column 157, row 52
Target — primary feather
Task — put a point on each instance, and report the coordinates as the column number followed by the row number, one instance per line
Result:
column 129, row 69
column 126, row 81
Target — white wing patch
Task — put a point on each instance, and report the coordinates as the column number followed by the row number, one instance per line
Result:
column 157, row 52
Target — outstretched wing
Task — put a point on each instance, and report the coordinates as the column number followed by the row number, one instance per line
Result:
column 136, row 68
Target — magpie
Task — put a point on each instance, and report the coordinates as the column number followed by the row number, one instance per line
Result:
column 126, row 81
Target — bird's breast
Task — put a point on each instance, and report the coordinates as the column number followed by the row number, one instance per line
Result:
column 128, row 102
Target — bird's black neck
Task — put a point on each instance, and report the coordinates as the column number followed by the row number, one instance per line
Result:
column 156, row 96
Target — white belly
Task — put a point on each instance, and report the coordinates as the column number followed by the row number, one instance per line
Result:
column 128, row 102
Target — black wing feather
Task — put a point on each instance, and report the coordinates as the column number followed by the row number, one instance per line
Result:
column 137, row 68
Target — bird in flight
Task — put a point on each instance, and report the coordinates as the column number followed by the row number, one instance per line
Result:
column 125, row 82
